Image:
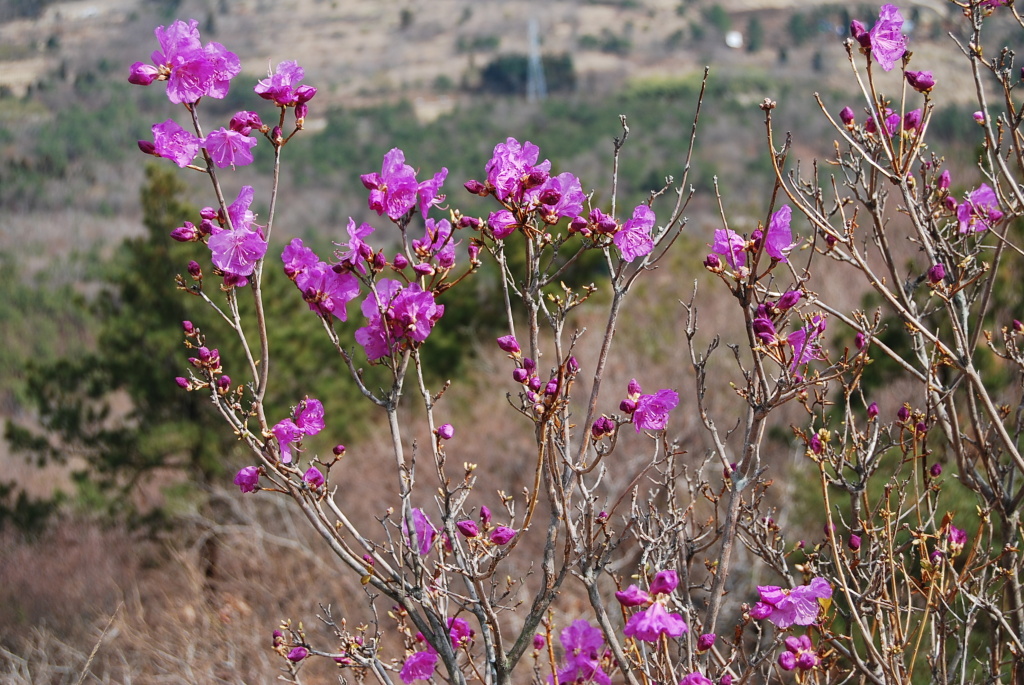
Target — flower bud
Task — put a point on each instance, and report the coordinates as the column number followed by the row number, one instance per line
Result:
column 551, row 388
column 872, row 410
column 936, row 470
column 1017, row 326
column 903, row 413
column 148, row 147
column 188, row 327
column 399, row 262
column 474, row 254
column 921, row 427
column 141, row 74
column 912, row 120
column 534, row 383
column 602, row 427
column 338, row 450
column 476, row 188
column 468, row 528
column 937, row 273
column 847, row 116
column 446, row 431
column 950, row 203
column 224, row 383
column 520, row 375
column 979, row 117
column 186, row 233
column 536, row 177
column 579, row 225
column 379, row 261
column 502, row 535
column 183, row 383
column 485, row 515
column 860, row 340
column 815, row 444
column 944, row 180
column 301, row 112
column 550, row 197
column 806, row 661
column 298, row 654
column 470, row 222
column 276, row 135
column 539, row 641
column 861, row 35
column 787, row 661
column 788, row 300
column 921, row 81
column 627, row 406
column 508, row 343
column 706, row 642
column 305, row 93
column 194, row 270
column 853, row 542
column 313, row 478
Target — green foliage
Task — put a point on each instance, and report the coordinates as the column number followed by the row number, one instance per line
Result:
column 717, row 17
column 800, row 28
column 755, row 35
column 507, row 74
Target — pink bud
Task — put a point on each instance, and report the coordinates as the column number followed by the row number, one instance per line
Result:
column 446, row 431
column 502, row 535
column 872, row 410
column 468, row 528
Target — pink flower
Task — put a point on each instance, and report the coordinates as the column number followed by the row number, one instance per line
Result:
column 788, row 607
column 282, row 87
column 394, row 190
column 395, row 314
column 665, row 582
column 309, row 416
column 502, row 224
column 229, row 148
column 652, row 410
column 424, row 529
column 248, row 479
column 191, row 70
column 634, row 238
column 236, row 250
column 583, row 645
column 459, row 632
column 559, row 196
column 887, row 40
column 979, row 211
column 696, row 679
column 313, row 477
column 429, row 192
column 779, row 238
column 651, row 623
column 173, row 142
column 730, row 245
column 632, row 596
column 806, row 342
column 287, row 434
column 419, row 666
column 326, row 290
column 513, row 167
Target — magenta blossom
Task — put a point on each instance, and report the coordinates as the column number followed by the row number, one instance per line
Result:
column 560, row 196
column 798, row 606
column 502, row 535
column 313, row 477
column 887, row 40
column 806, row 342
column 283, row 88
column 229, row 148
column 652, row 410
column 632, row 596
column 190, row 69
column 779, row 237
column 248, row 479
column 393, row 191
column 502, row 224
column 696, row 678
column 665, row 582
column 800, row 653
column 287, row 434
column 326, row 290
column 395, row 315
column 634, row 238
column 651, row 623
column 419, row 666
column 424, row 529
column 309, row 416
column 979, row 211
column 583, row 646
column 237, row 249
column 173, row 142
column 358, row 250
column 437, row 245
column 730, row 245
column 513, row 168
column 429, row 192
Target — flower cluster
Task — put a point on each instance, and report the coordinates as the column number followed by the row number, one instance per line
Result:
column 650, row 412
column 885, row 41
column 191, row 69
column 800, row 653
column 654, row 621
column 397, row 316
column 585, row 658
column 395, row 190
column 799, row 606
column 420, row 665
column 326, row 288
column 776, row 240
column 307, row 419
